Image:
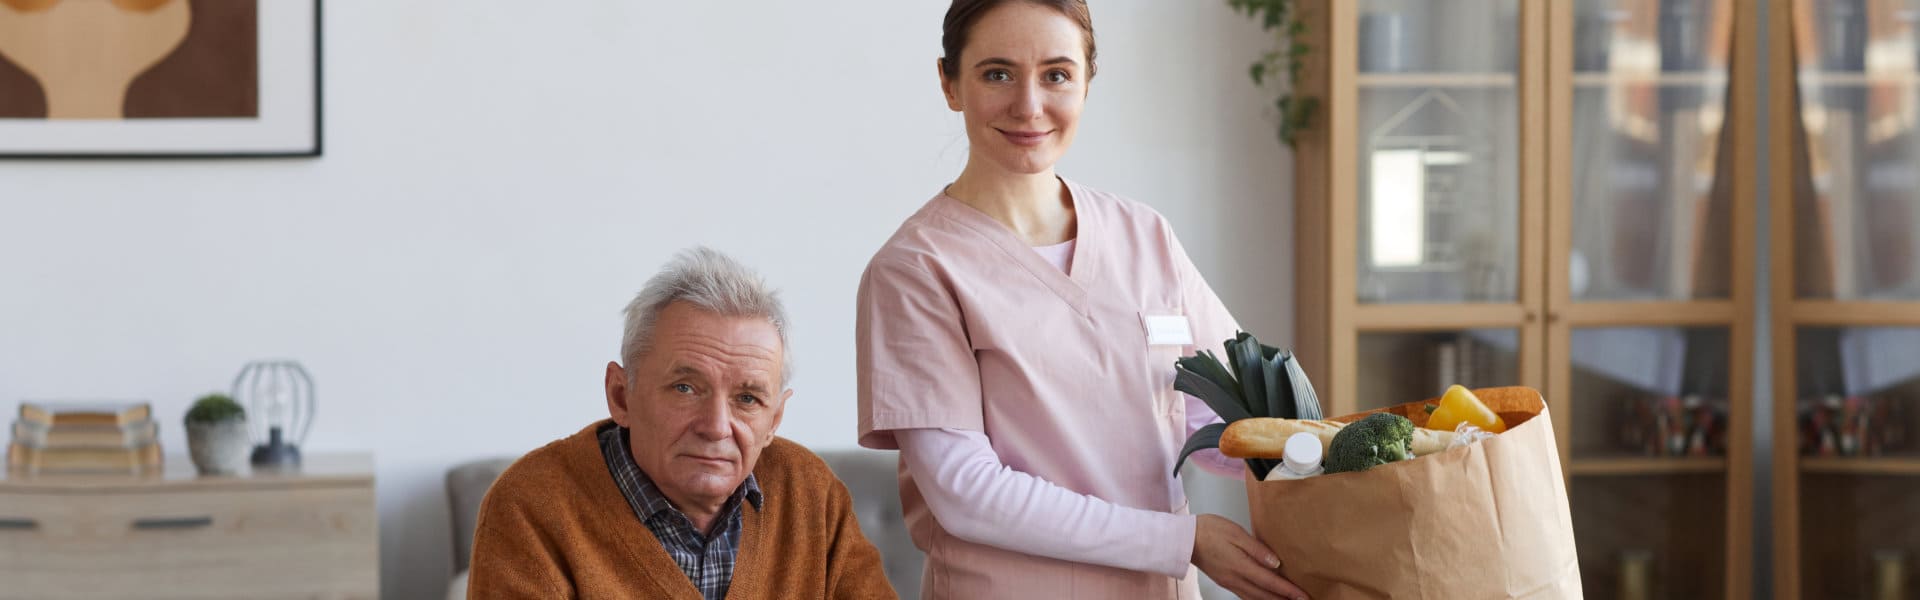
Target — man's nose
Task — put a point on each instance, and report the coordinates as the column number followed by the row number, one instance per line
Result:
column 714, row 422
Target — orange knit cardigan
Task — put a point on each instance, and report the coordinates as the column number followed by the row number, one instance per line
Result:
column 556, row 526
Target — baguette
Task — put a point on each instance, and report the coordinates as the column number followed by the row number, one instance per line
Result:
column 1262, row 437
column 1428, row 441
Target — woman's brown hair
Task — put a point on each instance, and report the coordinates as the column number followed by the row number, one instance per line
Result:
column 963, row 14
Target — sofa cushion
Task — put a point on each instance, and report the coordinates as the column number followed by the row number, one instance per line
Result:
column 873, row 479
column 467, row 485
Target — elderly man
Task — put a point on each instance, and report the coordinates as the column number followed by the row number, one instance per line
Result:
column 685, row 492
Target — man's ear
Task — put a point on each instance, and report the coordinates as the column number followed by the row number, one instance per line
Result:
column 617, row 393
column 946, row 85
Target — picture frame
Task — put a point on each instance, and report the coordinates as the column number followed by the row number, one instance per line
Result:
column 161, row 79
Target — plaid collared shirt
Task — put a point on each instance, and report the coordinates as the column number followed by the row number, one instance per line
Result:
column 707, row 559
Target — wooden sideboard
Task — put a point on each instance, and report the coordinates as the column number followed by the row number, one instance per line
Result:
column 175, row 534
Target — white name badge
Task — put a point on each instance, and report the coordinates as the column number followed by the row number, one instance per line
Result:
column 1168, row 330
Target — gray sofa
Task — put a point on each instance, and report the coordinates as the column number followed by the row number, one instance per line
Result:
column 870, row 477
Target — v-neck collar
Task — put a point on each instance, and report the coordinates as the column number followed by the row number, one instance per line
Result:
column 1071, row 285
column 647, row 551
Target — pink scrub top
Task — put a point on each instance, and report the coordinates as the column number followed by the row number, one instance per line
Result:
column 962, row 325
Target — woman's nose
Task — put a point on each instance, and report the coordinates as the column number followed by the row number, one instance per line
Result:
column 1027, row 102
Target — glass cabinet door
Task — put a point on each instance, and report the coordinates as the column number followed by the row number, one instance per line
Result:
column 1649, row 392
column 1857, row 414
column 1858, row 388
column 1651, row 221
column 1439, row 121
column 1399, row 367
column 1649, row 444
column 1855, row 212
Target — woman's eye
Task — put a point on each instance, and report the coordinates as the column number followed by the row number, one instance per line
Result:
column 1058, row 77
column 999, row 75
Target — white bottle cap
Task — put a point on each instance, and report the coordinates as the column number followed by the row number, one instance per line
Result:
column 1302, row 453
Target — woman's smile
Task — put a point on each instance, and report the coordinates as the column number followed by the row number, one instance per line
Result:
column 1024, row 138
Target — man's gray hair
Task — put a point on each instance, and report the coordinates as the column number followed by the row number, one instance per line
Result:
column 713, row 282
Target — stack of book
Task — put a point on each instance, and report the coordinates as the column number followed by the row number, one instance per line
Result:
column 84, row 438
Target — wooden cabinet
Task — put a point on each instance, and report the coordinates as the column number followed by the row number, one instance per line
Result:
column 306, row 535
column 1556, row 195
column 1845, row 297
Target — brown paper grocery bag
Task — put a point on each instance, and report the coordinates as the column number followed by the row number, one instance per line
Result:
column 1487, row 520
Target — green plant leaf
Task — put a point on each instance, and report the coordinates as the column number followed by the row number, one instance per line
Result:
column 1203, row 439
column 1279, row 393
column 215, row 408
column 1282, row 19
column 1252, row 371
column 1232, row 348
column 1224, row 403
column 1205, row 363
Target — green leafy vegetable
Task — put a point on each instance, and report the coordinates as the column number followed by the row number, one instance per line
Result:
column 1206, row 438
column 1257, row 381
column 1202, row 377
column 1306, row 403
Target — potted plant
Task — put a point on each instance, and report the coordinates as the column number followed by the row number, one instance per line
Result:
column 1281, row 18
column 217, row 435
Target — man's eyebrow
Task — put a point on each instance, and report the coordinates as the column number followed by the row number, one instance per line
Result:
column 1004, row 62
column 754, row 386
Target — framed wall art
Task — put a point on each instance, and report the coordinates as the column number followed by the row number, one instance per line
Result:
column 159, row 78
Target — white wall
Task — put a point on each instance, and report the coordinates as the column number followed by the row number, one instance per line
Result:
column 500, row 177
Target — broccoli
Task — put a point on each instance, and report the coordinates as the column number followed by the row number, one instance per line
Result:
column 1379, row 439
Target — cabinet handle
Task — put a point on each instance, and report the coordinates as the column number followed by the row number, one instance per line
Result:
column 1532, row 316
column 172, row 523
column 13, row 524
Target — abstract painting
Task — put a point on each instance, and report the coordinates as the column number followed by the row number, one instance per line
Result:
column 124, row 78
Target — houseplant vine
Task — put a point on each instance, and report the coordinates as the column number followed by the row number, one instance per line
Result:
column 1282, row 19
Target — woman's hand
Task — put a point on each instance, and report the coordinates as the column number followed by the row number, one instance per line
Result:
column 1238, row 562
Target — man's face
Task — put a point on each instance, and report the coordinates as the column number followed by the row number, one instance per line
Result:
column 702, row 402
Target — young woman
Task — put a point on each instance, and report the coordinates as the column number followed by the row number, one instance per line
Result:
column 1017, row 339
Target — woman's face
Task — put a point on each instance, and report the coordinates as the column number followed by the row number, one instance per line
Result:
column 1021, row 82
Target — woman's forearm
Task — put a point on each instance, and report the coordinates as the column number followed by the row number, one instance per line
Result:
column 977, row 498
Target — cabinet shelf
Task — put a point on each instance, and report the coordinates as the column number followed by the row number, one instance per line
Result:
column 1586, row 79
column 1441, row 80
column 1864, row 465
column 1647, row 466
column 1856, row 78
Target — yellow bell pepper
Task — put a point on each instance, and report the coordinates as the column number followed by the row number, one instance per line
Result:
column 1460, row 405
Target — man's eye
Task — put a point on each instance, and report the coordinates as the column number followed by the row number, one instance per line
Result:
column 749, row 399
column 999, row 75
column 683, row 388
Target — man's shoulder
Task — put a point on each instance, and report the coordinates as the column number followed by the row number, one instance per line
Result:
column 792, row 464
column 788, row 455
column 543, row 476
